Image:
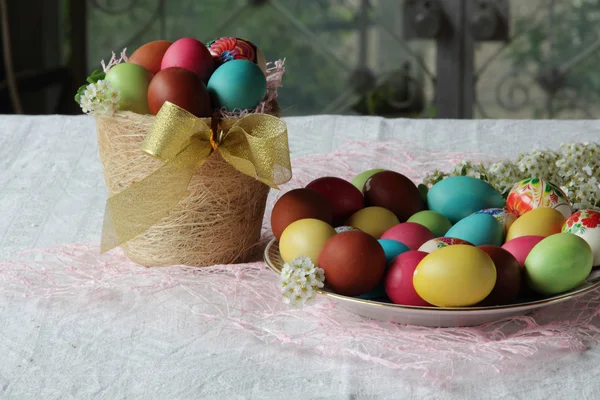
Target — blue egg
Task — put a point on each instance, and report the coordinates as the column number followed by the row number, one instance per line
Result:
column 478, row 229
column 392, row 249
column 457, row 197
column 237, row 84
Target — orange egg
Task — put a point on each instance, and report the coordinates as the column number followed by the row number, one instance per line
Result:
column 150, row 55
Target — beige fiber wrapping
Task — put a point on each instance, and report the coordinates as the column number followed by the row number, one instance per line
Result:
column 218, row 222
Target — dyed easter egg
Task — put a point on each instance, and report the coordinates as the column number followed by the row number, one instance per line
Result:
column 558, row 263
column 150, row 55
column 455, row 276
column 435, row 222
column 457, row 197
column 192, row 55
column 373, row 220
column 132, row 81
column 520, row 247
column 230, row 48
column 345, row 228
column 392, row 249
column 344, row 198
column 305, row 238
column 237, row 84
column 504, row 217
column 299, row 204
column 478, row 229
column 360, row 179
column 394, row 192
column 411, row 234
column 181, row 87
column 537, row 222
column 438, row 243
column 508, row 277
column 398, row 282
column 354, row 263
column 586, row 224
column 533, row 193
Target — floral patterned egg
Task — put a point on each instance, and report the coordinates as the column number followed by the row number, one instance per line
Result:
column 504, row 217
column 535, row 193
column 231, row 48
column 437, row 243
column 586, row 224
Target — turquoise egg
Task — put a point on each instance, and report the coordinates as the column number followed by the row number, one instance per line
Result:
column 457, row 197
column 478, row 229
column 392, row 249
column 237, row 84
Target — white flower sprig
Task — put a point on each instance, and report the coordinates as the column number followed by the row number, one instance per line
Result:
column 100, row 98
column 300, row 280
column 575, row 168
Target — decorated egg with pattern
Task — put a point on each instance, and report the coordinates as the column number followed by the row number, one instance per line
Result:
column 533, row 193
column 441, row 242
column 586, row 224
column 505, row 218
column 231, row 48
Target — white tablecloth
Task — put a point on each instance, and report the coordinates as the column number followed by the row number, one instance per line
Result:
column 51, row 192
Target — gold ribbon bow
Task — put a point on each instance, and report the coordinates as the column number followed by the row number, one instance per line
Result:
column 255, row 145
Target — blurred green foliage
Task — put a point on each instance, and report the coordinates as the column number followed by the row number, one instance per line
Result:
column 551, row 41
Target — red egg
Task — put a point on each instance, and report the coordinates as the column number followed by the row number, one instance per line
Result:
column 354, row 263
column 299, row 204
column 181, row 87
column 192, row 55
column 395, row 192
column 520, row 247
column 508, row 277
column 410, row 233
column 399, row 279
column 344, row 197
column 150, row 55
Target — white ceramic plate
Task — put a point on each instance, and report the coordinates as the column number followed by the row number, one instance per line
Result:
column 436, row 316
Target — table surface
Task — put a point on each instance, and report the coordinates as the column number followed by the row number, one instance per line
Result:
column 52, row 193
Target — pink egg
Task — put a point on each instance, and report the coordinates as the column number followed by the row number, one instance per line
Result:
column 410, row 233
column 399, row 279
column 190, row 54
column 521, row 246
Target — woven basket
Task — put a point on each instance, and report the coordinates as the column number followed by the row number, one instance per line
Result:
column 219, row 221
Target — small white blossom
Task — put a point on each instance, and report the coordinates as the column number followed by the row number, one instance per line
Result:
column 100, row 98
column 299, row 281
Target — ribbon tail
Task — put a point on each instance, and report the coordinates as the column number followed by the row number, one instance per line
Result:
column 134, row 210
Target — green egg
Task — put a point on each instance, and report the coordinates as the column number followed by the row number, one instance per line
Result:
column 435, row 222
column 360, row 179
column 132, row 82
column 558, row 263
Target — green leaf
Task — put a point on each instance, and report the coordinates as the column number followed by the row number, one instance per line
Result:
column 96, row 76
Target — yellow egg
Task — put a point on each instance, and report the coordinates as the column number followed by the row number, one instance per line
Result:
column 543, row 221
column 455, row 276
column 373, row 220
column 304, row 238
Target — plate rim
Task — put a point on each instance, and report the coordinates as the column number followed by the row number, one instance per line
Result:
column 510, row 307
